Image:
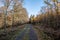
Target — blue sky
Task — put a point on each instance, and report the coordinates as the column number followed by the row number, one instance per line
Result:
column 33, row 6
column 1, row 4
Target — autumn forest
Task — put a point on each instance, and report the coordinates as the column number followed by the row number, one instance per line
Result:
column 15, row 23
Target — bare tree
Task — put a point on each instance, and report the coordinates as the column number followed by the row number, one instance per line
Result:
column 6, row 5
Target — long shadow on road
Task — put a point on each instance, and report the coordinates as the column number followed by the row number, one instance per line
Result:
column 32, row 34
column 28, row 29
column 21, row 34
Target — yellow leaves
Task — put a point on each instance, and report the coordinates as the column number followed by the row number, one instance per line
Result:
column 18, row 13
column 54, row 0
column 9, row 18
column 32, row 19
column 58, row 4
column 21, row 15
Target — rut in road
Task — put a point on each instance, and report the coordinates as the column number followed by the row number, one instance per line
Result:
column 28, row 30
column 32, row 34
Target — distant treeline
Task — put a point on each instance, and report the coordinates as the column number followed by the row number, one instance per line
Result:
column 49, row 18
